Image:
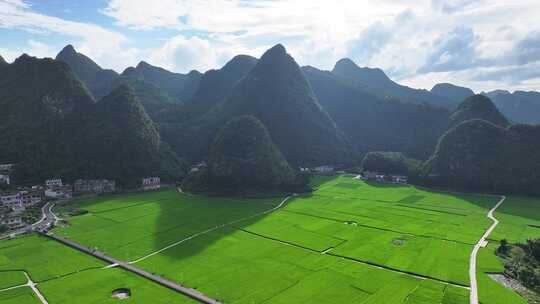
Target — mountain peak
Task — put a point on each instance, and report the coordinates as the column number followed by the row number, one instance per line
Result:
column 478, row 107
column 346, row 62
column 68, row 49
column 453, row 92
column 277, row 49
column 2, row 61
column 274, row 53
column 25, row 58
column 143, row 64
column 374, row 77
column 276, row 62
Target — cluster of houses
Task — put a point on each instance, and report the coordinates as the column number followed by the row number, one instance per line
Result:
column 15, row 201
column 387, row 178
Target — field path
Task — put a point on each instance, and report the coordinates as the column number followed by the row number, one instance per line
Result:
column 190, row 292
column 32, row 285
column 481, row 243
column 210, row 230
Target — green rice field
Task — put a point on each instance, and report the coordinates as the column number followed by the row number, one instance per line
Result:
column 348, row 242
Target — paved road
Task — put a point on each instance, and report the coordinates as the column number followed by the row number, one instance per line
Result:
column 192, row 293
column 36, row 291
column 481, row 243
column 46, row 220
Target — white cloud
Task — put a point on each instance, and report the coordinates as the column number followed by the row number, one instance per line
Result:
column 406, row 38
column 184, row 54
column 98, row 42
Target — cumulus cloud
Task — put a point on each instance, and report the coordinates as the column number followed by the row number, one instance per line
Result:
column 185, row 54
column 375, row 37
column 416, row 42
column 453, row 6
column 97, row 41
column 528, row 49
column 452, row 51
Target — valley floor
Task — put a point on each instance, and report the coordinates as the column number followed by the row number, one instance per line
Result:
column 349, row 242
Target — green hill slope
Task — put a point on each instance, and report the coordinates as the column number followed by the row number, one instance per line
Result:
column 121, row 141
column 478, row 107
column 479, row 155
column 244, row 157
column 37, row 124
column 57, row 129
column 99, row 81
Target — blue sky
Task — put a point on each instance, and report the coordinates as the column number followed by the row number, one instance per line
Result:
column 482, row 44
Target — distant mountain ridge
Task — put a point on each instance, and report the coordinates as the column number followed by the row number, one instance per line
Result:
column 452, row 92
column 180, row 87
column 313, row 117
column 376, row 81
column 375, row 124
column 520, row 106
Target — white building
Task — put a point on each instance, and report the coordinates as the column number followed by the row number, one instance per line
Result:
column 12, row 221
column 324, row 169
column 53, row 183
column 198, row 167
column 4, row 179
column 401, row 179
column 6, row 167
column 151, row 183
column 59, row 193
column 13, row 201
column 30, row 197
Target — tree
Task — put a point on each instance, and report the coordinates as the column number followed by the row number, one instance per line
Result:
column 503, row 247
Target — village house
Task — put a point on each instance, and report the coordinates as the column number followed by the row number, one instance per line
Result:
column 380, row 177
column 13, row 201
column 4, row 179
column 324, row 169
column 198, row 167
column 53, row 183
column 400, row 179
column 64, row 192
column 94, row 186
column 6, row 167
column 12, row 222
column 31, row 197
column 151, row 183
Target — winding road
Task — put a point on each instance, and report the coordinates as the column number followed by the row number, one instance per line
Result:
column 481, row 243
